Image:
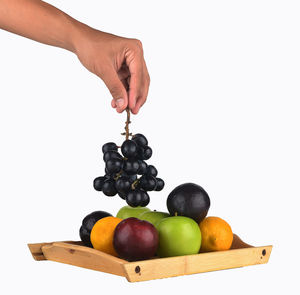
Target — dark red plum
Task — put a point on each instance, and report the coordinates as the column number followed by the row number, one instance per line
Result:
column 135, row 239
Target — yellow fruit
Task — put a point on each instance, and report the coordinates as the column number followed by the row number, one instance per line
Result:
column 102, row 234
column 216, row 234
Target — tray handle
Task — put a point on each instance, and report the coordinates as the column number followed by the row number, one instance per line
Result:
column 37, row 252
column 75, row 254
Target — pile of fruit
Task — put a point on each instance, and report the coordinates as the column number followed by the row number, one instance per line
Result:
column 136, row 233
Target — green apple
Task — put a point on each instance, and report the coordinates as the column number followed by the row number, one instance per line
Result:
column 153, row 216
column 127, row 211
column 178, row 235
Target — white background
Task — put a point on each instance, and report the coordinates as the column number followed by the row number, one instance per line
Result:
column 223, row 112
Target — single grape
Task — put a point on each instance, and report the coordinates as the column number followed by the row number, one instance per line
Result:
column 123, row 184
column 129, row 148
column 140, row 140
column 147, row 153
column 151, row 170
column 98, row 183
column 109, row 188
column 159, row 184
column 134, row 198
column 114, row 166
column 109, row 155
column 142, row 168
column 144, row 153
column 110, row 146
column 145, row 199
column 131, row 166
column 147, row 183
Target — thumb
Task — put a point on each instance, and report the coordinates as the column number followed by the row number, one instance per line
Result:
column 117, row 90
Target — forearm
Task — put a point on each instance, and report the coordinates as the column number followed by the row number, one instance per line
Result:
column 39, row 21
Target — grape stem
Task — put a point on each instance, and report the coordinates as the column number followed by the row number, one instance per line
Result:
column 118, row 175
column 126, row 133
column 133, row 185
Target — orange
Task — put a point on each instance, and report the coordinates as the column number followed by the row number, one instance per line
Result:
column 216, row 234
column 102, row 234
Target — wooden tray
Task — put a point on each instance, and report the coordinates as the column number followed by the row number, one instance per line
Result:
column 74, row 253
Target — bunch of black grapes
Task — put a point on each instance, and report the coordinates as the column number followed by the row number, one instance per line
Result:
column 129, row 175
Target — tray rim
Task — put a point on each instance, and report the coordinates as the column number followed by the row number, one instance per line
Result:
column 75, row 253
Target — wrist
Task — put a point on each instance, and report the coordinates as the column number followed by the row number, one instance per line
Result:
column 73, row 33
column 78, row 36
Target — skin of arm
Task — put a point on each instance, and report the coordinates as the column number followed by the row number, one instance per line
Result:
column 118, row 61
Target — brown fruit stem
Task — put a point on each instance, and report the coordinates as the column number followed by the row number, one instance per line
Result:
column 133, row 185
column 126, row 133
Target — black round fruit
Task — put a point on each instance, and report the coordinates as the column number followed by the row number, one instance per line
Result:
column 85, row 236
column 134, row 198
column 129, row 148
column 147, row 153
column 145, row 199
column 189, row 200
column 151, row 170
column 123, row 184
column 140, row 140
column 159, row 184
column 111, row 155
column 131, row 166
column 114, row 165
column 87, row 225
column 110, row 146
column 98, row 183
column 108, row 188
column 142, row 167
column 147, row 182
column 144, row 153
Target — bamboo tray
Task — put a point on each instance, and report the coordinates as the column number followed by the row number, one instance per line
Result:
column 74, row 253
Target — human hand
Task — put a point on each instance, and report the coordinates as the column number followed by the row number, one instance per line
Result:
column 119, row 62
